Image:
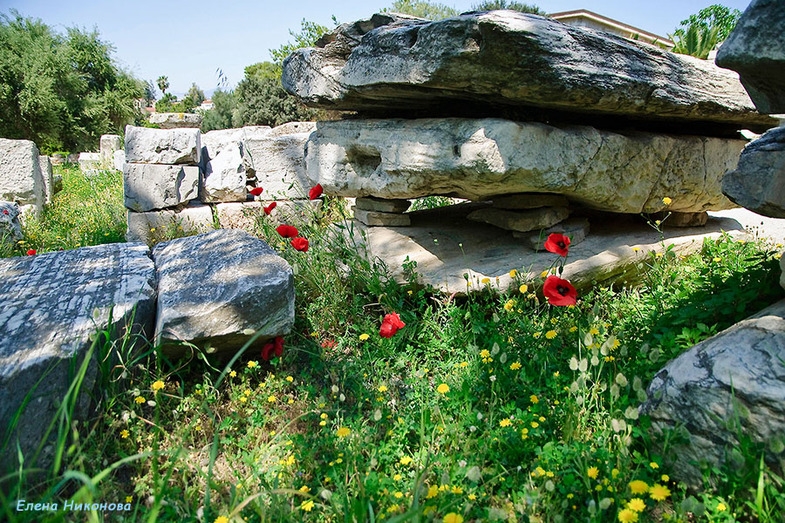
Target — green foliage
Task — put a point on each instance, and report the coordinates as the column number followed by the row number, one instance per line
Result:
column 309, row 33
column 61, row 91
column 169, row 103
column 220, row 116
column 422, row 9
column 700, row 33
column 491, row 5
column 162, row 83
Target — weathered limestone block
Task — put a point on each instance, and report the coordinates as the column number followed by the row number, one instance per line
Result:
column 521, row 221
column 276, row 159
column 246, row 215
column 118, row 160
column 91, row 163
column 108, row 144
column 729, row 385
column 51, row 306
column 20, row 174
column 528, row 201
column 758, row 183
column 575, row 228
column 10, row 227
column 151, row 227
column 380, row 205
column 47, row 178
column 150, row 187
column 176, row 120
column 215, row 288
column 213, row 142
column 225, row 177
column 507, row 59
column 479, row 159
column 165, row 146
column 755, row 49
column 381, row 219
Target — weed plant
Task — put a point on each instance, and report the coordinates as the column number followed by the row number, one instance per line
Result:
column 492, row 407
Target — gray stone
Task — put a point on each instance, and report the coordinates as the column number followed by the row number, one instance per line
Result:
column 154, row 226
column 215, row 289
column 51, row 307
column 225, row 177
column 384, row 219
column 725, row 388
column 521, row 221
column 248, row 216
column 213, row 142
column 165, row 146
column 758, row 182
column 479, row 159
column 108, row 144
column 381, row 205
column 685, row 219
column 47, row 178
column 176, row 120
column 118, row 160
column 755, row 49
column 151, row 187
column 575, row 228
column 446, row 246
column 504, row 60
column 10, row 226
column 528, row 201
column 20, row 174
column 276, row 160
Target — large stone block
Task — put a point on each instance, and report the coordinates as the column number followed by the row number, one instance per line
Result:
column 485, row 158
column 51, row 307
column 165, row 146
column 225, row 177
column 728, row 387
column 176, row 120
column 758, row 183
column 215, row 289
column 10, row 227
column 502, row 60
column 150, row 187
column 522, row 220
column 45, row 165
column 276, row 159
column 154, row 226
column 108, row 144
column 756, row 50
column 20, row 174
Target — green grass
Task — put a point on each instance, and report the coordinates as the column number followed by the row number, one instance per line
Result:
column 495, row 407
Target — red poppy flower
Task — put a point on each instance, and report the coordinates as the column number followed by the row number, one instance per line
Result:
column 256, row 191
column 31, row 252
column 269, row 208
column 329, row 344
column 273, row 349
column 390, row 325
column 300, row 244
column 315, row 191
column 559, row 292
column 557, row 244
column 287, row 231
column 5, row 211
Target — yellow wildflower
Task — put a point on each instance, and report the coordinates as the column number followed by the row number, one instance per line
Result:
column 252, row 364
column 721, row 507
column 639, row 487
column 551, row 334
column 307, row 505
column 343, row 432
column 221, row 519
column 659, row 492
column 627, row 516
column 513, row 273
column 443, row 388
column 139, row 399
column 667, row 201
column 433, row 491
column 382, row 388
column 272, row 399
column 505, row 422
column 158, row 385
column 534, row 399
column 509, row 305
column 233, row 374
column 456, row 490
column 452, row 517
column 593, row 472
column 364, row 336
column 523, row 289
column 124, row 433
column 515, row 365
column 654, row 465
column 405, row 460
column 636, row 504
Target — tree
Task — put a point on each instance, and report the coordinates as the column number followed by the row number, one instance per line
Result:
column 309, row 33
column 163, row 83
column 701, row 32
column 193, row 98
column 221, row 115
column 61, row 91
column 492, row 5
column 149, row 93
column 422, row 9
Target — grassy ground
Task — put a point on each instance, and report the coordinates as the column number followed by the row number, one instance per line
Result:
column 495, row 407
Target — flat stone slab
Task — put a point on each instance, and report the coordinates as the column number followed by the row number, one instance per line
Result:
column 164, row 146
column 51, row 307
column 377, row 218
column 448, row 248
column 153, row 226
column 219, row 288
column 149, row 187
column 176, row 120
column 21, row 180
column 521, row 220
column 381, row 205
column 480, row 159
column 504, row 60
column 735, row 377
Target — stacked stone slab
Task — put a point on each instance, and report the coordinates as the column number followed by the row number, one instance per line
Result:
column 229, row 165
column 25, row 176
column 537, row 84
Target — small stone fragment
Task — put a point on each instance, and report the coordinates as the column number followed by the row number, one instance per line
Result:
column 381, row 219
column 370, row 203
column 528, row 201
column 521, row 221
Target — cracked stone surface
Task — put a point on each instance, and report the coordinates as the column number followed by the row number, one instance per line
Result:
column 50, row 307
column 479, row 159
column 730, row 385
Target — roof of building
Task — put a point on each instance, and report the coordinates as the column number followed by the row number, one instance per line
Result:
column 576, row 14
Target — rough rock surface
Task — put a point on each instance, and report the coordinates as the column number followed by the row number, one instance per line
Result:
column 219, row 288
column 448, row 249
column 50, row 306
column 176, row 120
column 381, row 219
column 758, row 182
column 108, row 145
column 47, row 178
column 481, row 158
column 149, row 187
column 10, row 227
column 20, row 173
column 520, row 221
column 508, row 59
column 380, row 205
column 756, row 50
column 153, row 226
column 246, row 215
column 529, row 201
column 225, row 177
column 576, row 229
column 728, row 385
column 164, row 146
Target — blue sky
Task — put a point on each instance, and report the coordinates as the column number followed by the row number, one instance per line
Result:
column 188, row 40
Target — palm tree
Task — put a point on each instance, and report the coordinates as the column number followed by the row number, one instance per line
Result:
column 163, row 83
column 696, row 41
